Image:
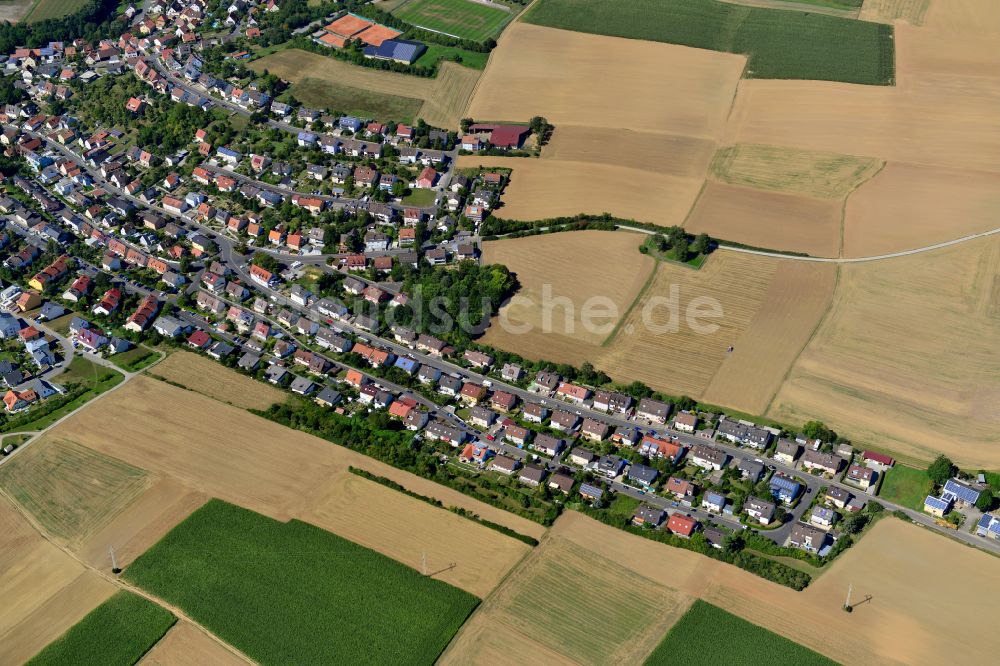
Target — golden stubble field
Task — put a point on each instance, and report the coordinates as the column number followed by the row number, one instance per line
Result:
column 187, row 645
column 940, row 618
column 907, row 356
column 669, row 105
column 445, row 97
column 194, row 447
column 205, row 376
column 763, row 300
column 44, row 590
column 560, row 269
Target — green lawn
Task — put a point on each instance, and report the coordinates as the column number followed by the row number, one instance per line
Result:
column 906, row 486
column 420, row 198
column 458, row 18
column 83, row 380
column 119, row 631
column 356, row 101
column 291, row 593
column 436, row 52
column 780, row 44
column 709, row 635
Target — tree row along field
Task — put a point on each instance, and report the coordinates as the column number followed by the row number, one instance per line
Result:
column 779, row 44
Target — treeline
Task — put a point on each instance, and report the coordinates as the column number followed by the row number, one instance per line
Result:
column 465, row 513
column 413, row 32
column 467, row 293
column 384, row 439
column 732, row 552
column 96, row 20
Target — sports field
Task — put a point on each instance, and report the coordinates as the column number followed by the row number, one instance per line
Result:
column 212, row 379
column 440, row 101
column 293, row 593
column 194, row 448
column 779, row 44
column 707, row 634
column 119, row 631
column 457, row 18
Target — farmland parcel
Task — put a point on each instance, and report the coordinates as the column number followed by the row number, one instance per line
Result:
column 884, row 564
column 329, row 82
column 45, row 591
column 779, row 44
column 465, row 19
column 922, row 378
column 202, row 375
column 707, row 634
column 193, row 447
column 291, row 592
column 119, row 631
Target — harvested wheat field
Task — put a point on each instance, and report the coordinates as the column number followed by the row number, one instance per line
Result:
column 933, row 204
column 214, row 380
column 907, row 357
column 187, row 645
column 45, row 591
column 568, row 605
column 670, row 154
column 373, row 515
column 682, row 359
column 203, row 448
column 771, row 220
column 781, row 169
column 574, row 78
column 943, row 618
column 71, row 490
column 799, row 295
column 543, row 188
column 555, row 267
column 445, row 97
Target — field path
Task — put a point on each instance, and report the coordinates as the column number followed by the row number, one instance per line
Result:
column 842, row 260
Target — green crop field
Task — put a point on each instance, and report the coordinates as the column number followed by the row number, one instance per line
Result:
column 356, row 101
column 293, row 593
column 780, row 44
column 709, row 635
column 119, row 631
column 457, row 18
column 48, row 9
column 906, row 486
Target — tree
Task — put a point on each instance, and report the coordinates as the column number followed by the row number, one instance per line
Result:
column 818, row 430
column 465, row 123
column 855, row 523
column 985, row 501
column 941, row 470
column 702, row 244
column 265, row 261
